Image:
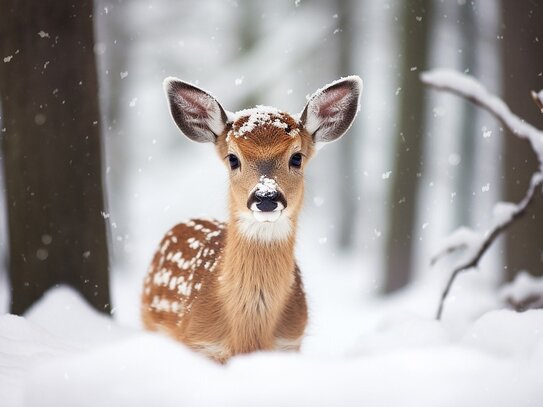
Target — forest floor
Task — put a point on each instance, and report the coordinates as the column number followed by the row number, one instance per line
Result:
column 360, row 349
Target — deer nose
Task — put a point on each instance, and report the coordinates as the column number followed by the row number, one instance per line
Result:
column 268, row 202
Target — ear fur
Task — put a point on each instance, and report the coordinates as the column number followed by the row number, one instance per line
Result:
column 331, row 110
column 197, row 114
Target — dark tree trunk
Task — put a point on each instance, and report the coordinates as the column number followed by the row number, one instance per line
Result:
column 408, row 159
column 52, row 151
column 523, row 61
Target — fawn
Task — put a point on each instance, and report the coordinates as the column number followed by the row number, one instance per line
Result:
column 230, row 288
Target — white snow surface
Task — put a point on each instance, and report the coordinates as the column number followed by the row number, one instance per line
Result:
column 522, row 288
column 65, row 354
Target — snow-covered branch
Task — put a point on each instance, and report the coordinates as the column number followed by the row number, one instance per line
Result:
column 474, row 243
column 538, row 99
column 469, row 88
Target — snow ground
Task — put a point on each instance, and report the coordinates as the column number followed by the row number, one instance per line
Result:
column 358, row 351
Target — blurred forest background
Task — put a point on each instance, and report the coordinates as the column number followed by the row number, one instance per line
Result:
column 416, row 165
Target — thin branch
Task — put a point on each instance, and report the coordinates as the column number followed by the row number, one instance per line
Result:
column 537, row 180
column 449, row 250
column 460, row 239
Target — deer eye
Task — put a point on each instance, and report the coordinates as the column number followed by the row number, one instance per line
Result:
column 296, row 160
column 233, row 161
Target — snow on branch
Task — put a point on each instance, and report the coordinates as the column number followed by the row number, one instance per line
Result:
column 470, row 89
column 473, row 243
column 538, row 99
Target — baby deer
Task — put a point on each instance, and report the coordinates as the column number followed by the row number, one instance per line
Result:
column 230, row 288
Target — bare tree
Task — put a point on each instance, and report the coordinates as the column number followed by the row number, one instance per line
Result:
column 52, row 151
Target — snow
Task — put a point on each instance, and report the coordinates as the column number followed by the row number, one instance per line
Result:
column 461, row 238
column 64, row 353
column 475, row 244
column 359, row 350
column 538, row 99
column 266, row 187
column 503, row 212
column 524, row 287
column 258, row 116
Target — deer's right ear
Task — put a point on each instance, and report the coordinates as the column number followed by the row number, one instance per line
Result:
column 197, row 114
column 331, row 110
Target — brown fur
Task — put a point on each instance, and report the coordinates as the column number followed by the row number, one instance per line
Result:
column 216, row 290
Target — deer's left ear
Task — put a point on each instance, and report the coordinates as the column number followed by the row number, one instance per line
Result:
column 197, row 114
column 331, row 110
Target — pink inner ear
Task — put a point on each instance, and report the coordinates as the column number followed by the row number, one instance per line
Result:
column 332, row 101
column 194, row 104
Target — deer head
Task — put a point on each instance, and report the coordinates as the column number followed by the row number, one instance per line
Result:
column 265, row 150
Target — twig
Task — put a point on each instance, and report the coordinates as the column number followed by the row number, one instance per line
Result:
column 456, row 241
column 537, row 180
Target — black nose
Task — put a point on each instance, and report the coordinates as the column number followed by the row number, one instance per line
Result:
column 267, row 202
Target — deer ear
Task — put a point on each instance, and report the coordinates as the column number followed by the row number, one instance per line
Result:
column 331, row 110
column 197, row 114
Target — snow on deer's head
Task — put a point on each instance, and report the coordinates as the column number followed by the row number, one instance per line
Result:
column 265, row 150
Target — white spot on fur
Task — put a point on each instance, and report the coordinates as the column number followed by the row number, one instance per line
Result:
column 213, row 234
column 160, row 304
column 164, row 247
column 184, row 288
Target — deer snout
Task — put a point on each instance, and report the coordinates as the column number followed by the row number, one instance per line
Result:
column 266, row 202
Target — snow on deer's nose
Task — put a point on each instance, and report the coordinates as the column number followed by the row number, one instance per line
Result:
column 266, row 200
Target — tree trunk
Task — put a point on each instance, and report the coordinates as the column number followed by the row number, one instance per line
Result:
column 523, row 54
column 52, row 151
column 409, row 147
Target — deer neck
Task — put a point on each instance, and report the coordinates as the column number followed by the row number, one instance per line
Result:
column 257, row 277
